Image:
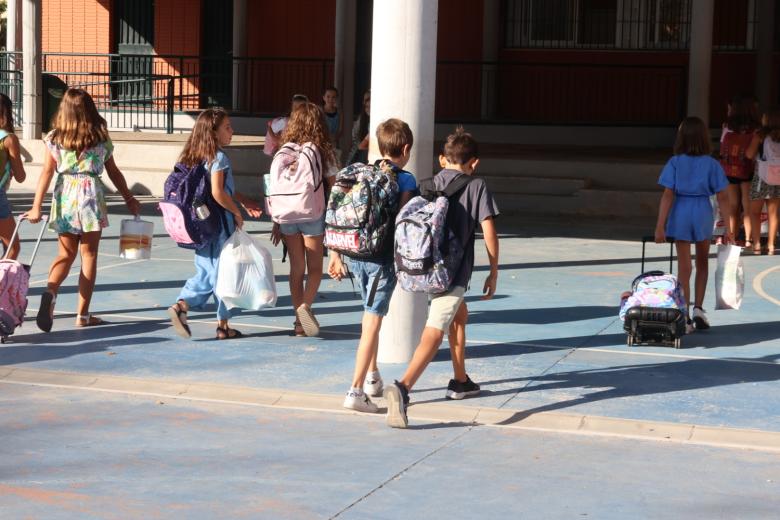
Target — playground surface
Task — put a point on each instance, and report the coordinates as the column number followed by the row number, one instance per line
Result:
column 129, row 420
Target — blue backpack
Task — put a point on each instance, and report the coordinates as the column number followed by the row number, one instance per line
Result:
column 191, row 216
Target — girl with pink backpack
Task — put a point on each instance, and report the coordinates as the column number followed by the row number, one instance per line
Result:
column 302, row 172
column 10, row 168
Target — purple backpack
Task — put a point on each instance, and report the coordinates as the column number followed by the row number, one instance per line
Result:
column 427, row 253
column 191, row 216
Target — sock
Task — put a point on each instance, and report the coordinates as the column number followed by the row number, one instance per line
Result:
column 373, row 376
column 356, row 391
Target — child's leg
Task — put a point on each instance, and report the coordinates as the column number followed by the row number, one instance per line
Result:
column 89, row 255
column 367, row 348
column 684, row 268
column 772, row 206
column 313, row 246
column 7, row 226
column 744, row 190
column 297, row 257
column 68, row 247
column 457, row 340
column 731, row 214
column 702, row 271
column 755, row 222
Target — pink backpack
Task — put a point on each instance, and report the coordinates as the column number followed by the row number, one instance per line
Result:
column 294, row 191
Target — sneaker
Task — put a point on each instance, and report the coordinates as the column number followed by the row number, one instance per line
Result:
column 373, row 385
column 397, row 397
column 359, row 402
column 700, row 319
column 308, row 321
column 457, row 390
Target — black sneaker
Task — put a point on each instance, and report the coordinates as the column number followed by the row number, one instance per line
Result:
column 457, row 390
column 397, row 397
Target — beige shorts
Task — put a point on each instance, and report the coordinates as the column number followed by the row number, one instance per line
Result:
column 444, row 307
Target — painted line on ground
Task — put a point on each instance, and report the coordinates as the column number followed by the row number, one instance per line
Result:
column 100, row 268
column 556, row 422
column 758, row 285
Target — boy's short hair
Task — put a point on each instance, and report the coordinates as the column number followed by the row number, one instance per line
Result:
column 693, row 138
column 392, row 135
column 460, row 147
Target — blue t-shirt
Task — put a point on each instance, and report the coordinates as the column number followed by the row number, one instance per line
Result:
column 693, row 176
column 406, row 182
column 222, row 163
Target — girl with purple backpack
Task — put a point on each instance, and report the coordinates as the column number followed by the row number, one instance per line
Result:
column 211, row 132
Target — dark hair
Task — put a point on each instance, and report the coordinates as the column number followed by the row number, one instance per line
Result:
column 743, row 114
column 392, row 135
column 202, row 144
column 363, row 118
column 6, row 114
column 693, row 138
column 772, row 128
column 334, row 89
column 460, row 147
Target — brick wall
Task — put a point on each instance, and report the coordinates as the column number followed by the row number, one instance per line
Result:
column 76, row 26
column 177, row 31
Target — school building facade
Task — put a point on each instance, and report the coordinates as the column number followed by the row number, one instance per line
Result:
column 529, row 62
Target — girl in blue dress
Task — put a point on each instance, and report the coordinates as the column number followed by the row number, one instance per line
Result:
column 685, row 213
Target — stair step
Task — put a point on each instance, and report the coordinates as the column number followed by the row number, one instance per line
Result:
column 586, row 202
column 535, row 185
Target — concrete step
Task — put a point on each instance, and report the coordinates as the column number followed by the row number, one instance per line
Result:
column 535, row 185
column 586, row 202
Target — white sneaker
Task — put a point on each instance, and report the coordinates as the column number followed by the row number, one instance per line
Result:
column 373, row 385
column 700, row 319
column 359, row 402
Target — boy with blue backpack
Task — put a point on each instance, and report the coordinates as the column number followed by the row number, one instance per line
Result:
column 446, row 276
column 359, row 222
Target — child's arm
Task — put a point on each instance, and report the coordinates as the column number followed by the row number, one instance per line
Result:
column 251, row 206
column 336, row 268
column 17, row 168
column 752, row 149
column 663, row 213
column 223, row 199
column 723, row 201
column 121, row 185
column 34, row 215
column 491, row 245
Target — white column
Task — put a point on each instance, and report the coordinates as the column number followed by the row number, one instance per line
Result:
column 241, row 68
column 491, row 21
column 344, row 67
column 14, row 26
column 702, row 12
column 31, row 87
column 403, row 85
column 765, row 16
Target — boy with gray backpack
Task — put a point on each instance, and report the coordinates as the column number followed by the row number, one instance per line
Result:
column 362, row 208
column 435, row 254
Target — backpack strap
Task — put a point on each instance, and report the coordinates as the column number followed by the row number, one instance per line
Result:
column 456, row 185
column 5, row 178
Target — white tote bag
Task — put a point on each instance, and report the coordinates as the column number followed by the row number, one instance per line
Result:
column 729, row 278
column 245, row 276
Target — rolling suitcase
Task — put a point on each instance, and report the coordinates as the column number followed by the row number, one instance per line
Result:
column 14, row 283
column 661, row 317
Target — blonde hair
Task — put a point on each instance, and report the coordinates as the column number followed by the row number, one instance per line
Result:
column 77, row 124
column 307, row 125
column 202, row 145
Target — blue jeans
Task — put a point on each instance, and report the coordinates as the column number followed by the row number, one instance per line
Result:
column 200, row 287
column 367, row 274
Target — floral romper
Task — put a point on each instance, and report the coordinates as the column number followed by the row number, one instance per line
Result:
column 78, row 203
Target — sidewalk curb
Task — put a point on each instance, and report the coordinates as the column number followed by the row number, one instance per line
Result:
column 557, row 422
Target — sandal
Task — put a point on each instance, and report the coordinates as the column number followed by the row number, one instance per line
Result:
column 308, row 322
column 298, row 330
column 228, row 333
column 89, row 320
column 45, row 318
column 179, row 320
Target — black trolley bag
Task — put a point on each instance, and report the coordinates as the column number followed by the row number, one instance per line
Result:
column 654, row 325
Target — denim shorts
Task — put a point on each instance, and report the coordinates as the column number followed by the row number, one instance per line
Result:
column 308, row 229
column 5, row 206
column 366, row 273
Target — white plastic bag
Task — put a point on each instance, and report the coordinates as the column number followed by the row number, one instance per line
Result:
column 245, row 276
column 729, row 278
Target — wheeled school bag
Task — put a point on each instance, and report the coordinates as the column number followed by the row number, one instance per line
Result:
column 361, row 211
column 732, row 156
column 191, row 216
column 655, row 313
column 427, row 252
column 295, row 187
column 14, row 283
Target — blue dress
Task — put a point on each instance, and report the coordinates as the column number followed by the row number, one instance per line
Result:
column 693, row 179
column 200, row 288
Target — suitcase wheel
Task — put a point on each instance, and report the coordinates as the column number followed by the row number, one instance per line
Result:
column 677, row 342
column 630, row 340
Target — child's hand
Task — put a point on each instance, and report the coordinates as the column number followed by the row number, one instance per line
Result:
column 33, row 216
column 252, row 208
column 239, row 219
column 276, row 234
column 490, row 286
column 336, row 268
column 660, row 236
column 133, row 205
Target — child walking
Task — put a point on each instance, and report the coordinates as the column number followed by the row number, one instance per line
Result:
column 395, row 141
column 474, row 206
column 211, row 132
column 304, row 239
column 79, row 150
column 766, row 143
column 10, row 167
column 334, row 118
column 689, row 179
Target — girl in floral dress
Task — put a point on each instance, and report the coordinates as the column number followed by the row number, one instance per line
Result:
column 79, row 149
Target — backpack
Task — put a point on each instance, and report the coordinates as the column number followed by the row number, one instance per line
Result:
column 732, row 155
column 427, row 252
column 191, row 216
column 655, row 289
column 769, row 163
column 293, row 189
column 14, row 282
column 361, row 211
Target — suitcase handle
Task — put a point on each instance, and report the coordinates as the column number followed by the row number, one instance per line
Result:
column 44, row 219
column 648, row 238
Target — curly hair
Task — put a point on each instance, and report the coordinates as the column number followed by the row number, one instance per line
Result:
column 307, row 125
column 202, row 145
column 77, row 124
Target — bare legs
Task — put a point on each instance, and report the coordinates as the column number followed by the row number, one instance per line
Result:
column 685, row 268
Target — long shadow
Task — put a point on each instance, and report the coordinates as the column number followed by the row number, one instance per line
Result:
column 542, row 316
column 101, row 334
column 11, row 354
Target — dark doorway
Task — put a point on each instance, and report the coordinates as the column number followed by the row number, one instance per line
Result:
column 216, row 67
column 134, row 30
column 365, row 21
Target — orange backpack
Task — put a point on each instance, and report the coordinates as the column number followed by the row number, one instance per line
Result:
column 732, row 155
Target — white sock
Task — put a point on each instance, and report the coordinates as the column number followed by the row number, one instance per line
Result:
column 373, row 376
column 356, row 391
